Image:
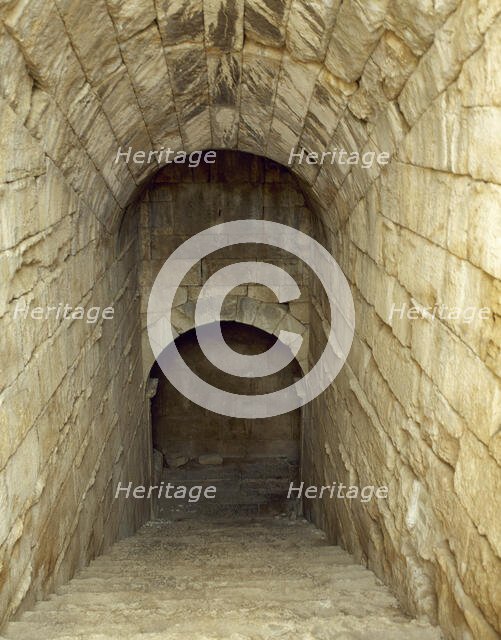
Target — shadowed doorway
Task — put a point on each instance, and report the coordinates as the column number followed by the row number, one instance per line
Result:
column 249, row 462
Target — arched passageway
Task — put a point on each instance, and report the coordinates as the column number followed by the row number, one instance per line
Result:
column 407, row 90
column 249, row 463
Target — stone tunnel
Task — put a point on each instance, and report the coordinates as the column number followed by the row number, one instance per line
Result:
column 129, row 126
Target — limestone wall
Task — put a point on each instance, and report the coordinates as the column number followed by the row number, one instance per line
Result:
column 418, row 404
column 72, row 403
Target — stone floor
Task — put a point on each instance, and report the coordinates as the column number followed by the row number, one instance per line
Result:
column 208, row 579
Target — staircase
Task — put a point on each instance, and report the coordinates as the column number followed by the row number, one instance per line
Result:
column 203, row 579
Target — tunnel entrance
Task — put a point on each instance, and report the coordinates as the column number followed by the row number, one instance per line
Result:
column 215, row 464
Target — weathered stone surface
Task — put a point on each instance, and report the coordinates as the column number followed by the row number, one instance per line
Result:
column 188, row 70
column 383, row 77
column 224, row 79
column 92, row 35
column 416, row 23
column 416, row 406
column 27, row 158
column 121, row 107
column 130, row 17
column 395, row 61
column 476, row 83
column 265, row 21
column 180, row 21
column 15, row 86
column 454, row 43
column 465, row 141
column 474, row 456
column 224, row 24
column 35, row 27
column 259, row 81
column 355, row 35
column 309, row 28
column 475, row 394
column 210, row 459
column 177, row 462
column 326, row 106
column 149, row 76
column 294, row 90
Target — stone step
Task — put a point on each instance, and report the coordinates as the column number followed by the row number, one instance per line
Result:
column 181, row 552
column 280, row 529
column 142, row 603
column 302, row 586
column 264, row 469
column 232, row 626
column 235, row 574
column 228, row 571
column 220, row 579
column 316, row 549
column 264, row 524
column 246, row 559
column 138, row 610
column 309, row 548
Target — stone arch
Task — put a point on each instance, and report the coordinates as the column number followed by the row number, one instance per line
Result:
column 264, row 84
column 249, row 310
column 252, row 462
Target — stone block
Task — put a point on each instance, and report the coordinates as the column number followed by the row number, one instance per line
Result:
column 265, row 21
column 294, row 91
column 324, row 111
column 476, row 83
column 474, row 392
column 401, row 372
column 16, row 85
column 268, row 316
column 475, row 235
column 421, row 268
column 454, row 42
column 408, row 198
column 224, row 24
column 145, row 61
column 396, row 62
column 260, row 69
column 416, row 24
column 188, row 65
column 26, row 159
column 480, row 498
column 180, row 21
column 354, row 37
column 309, row 27
column 130, row 17
column 93, row 37
column 224, row 79
column 210, row 459
column 224, row 87
column 247, row 310
column 465, row 139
